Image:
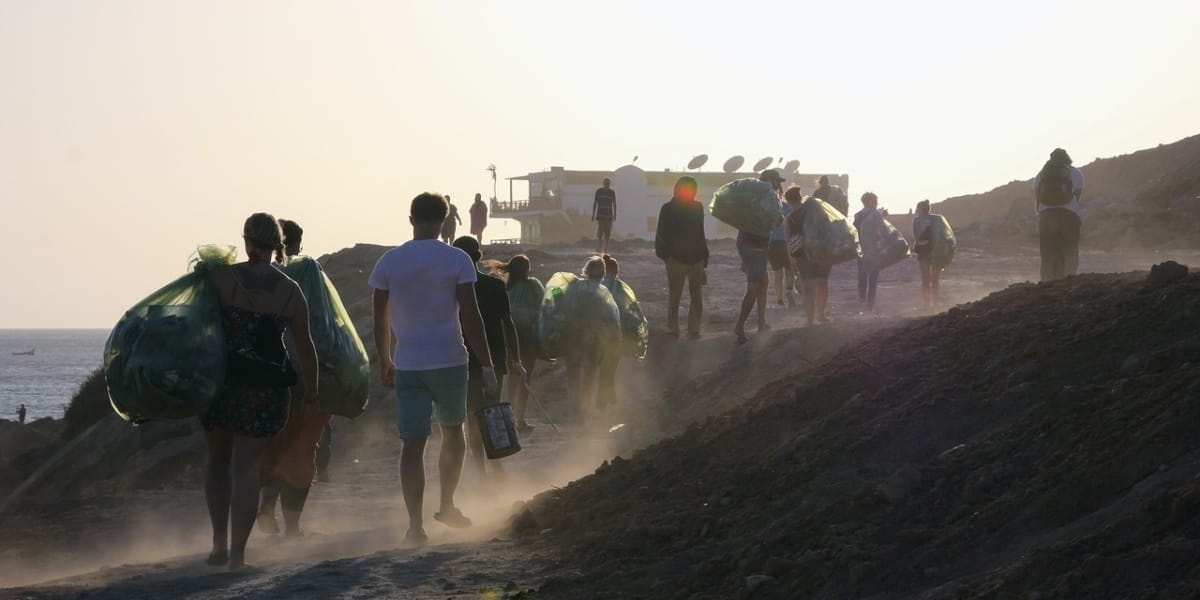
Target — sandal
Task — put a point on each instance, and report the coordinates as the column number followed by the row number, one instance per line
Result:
column 452, row 517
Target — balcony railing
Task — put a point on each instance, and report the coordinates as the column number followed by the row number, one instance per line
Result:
column 524, row 205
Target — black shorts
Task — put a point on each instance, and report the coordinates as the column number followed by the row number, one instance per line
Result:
column 808, row 270
column 778, row 255
column 604, row 229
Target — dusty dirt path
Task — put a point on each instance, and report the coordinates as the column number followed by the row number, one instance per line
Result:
column 152, row 544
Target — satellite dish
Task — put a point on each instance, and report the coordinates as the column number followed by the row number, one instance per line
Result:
column 697, row 161
column 733, row 164
column 791, row 166
column 763, row 164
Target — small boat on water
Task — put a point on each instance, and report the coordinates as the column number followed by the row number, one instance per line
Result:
column 26, row 353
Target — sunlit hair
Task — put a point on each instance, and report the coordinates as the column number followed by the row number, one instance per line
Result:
column 470, row 245
column 261, row 232
column 517, row 268
column 685, row 188
column 793, row 195
column 611, row 265
column 293, row 233
column 594, row 269
column 429, row 208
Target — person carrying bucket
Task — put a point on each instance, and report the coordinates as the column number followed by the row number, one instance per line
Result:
column 502, row 345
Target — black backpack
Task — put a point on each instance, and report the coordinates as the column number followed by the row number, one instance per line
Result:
column 1055, row 187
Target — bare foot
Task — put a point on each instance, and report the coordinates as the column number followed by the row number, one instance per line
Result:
column 219, row 557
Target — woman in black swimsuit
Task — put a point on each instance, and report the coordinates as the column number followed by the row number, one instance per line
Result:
column 258, row 303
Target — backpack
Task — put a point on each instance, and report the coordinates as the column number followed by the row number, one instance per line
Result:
column 1055, row 187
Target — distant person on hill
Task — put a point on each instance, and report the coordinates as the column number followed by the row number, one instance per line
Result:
column 525, row 294
column 21, row 415
column 258, row 304
column 1057, row 189
column 502, row 345
column 832, row 195
column 923, row 245
column 422, row 290
column 814, row 277
column 679, row 242
column 777, row 254
column 450, row 226
column 868, row 280
column 479, row 217
column 289, row 463
column 604, row 212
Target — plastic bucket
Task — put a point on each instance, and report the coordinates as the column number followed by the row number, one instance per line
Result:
column 498, row 429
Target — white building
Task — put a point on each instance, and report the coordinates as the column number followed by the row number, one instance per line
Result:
column 559, row 206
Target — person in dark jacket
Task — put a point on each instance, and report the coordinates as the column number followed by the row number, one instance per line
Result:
column 679, row 242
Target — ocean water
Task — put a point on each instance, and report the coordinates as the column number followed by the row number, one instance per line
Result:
column 46, row 381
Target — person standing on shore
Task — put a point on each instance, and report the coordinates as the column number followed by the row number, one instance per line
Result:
column 450, row 226
column 479, row 217
column 21, row 415
column 422, row 290
column 290, row 461
column 258, row 304
column 1057, row 189
column 502, row 346
column 604, row 212
column 679, row 242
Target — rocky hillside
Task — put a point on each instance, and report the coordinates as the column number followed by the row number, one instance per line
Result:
column 1150, row 198
column 1037, row 443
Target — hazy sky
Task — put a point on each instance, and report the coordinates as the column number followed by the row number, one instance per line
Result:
column 130, row 132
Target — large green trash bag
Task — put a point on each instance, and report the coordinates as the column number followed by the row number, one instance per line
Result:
column 882, row 244
column 635, row 329
column 944, row 244
column 579, row 318
column 344, row 369
column 525, row 305
column 165, row 359
column 829, row 238
column 747, row 205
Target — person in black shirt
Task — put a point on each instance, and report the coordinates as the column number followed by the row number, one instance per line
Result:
column 679, row 242
column 604, row 212
column 492, row 297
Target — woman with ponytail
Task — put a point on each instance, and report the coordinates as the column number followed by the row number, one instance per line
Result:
column 525, row 302
column 258, row 304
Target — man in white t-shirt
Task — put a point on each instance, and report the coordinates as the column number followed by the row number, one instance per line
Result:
column 1057, row 189
column 422, row 288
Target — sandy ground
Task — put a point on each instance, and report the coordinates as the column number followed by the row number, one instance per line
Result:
column 151, row 545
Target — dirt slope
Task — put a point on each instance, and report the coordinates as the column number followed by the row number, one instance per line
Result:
column 1039, row 440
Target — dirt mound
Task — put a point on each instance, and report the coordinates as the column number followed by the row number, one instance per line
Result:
column 1041, row 440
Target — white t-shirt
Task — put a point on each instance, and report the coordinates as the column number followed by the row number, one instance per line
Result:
column 421, row 278
column 1076, row 185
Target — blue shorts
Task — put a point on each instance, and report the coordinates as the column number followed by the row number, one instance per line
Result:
column 434, row 394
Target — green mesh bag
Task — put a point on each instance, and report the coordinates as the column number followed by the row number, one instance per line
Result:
column 882, row 244
column 829, row 237
column 747, row 205
column 944, row 244
column 344, row 369
column 635, row 329
column 525, row 305
column 579, row 318
column 165, row 359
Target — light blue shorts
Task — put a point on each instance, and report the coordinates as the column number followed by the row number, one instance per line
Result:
column 434, row 394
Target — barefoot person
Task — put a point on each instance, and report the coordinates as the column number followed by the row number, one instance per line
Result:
column 258, row 303
column 525, row 294
column 814, row 277
column 503, row 347
column 679, row 242
column 422, row 289
column 289, row 464
column 923, row 244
